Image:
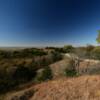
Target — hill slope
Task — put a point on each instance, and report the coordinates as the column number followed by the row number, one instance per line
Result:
column 80, row 88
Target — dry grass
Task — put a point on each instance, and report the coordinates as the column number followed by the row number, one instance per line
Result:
column 81, row 88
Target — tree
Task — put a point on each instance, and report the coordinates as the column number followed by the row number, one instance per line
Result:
column 98, row 38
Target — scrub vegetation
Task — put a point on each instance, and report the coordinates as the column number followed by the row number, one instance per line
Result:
column 28, row 67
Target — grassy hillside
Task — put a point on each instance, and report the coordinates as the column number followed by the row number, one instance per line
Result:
column 25, row 67
column 79, row 88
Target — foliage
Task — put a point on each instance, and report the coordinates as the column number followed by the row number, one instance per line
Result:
column 56, row 49
column 6, row 85
column 45, row 75
column 23, row 74
column 31, row 52
column 68, row 48
column 71, row 70
column 56, row 56
column 9, row 81
column 20, row 66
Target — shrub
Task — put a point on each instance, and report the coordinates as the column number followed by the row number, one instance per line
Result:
column 46, row 74
column 55, row 56
column 6, row 85
column 71, row 70
column 10, row 80
column 23, row 74
column 39, row 53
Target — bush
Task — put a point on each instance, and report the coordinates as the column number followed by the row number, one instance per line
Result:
column 55, row 56
column 46, row 74
column 23, row 74
column 6, row 85
column 12, row 79
column 71, row 70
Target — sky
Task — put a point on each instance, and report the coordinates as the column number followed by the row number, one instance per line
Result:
column 49, row 22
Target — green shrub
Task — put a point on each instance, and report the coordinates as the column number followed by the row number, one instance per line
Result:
column 6, row 85
column 11, row 80
column 55, row 56
column 46, row 74
column 70, row 73
column 39, row 53
column 23, row 74
column 71, row 70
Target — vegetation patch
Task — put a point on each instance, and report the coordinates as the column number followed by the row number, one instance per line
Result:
column 44, row 75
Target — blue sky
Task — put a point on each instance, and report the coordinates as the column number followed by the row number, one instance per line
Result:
column 49, row 22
